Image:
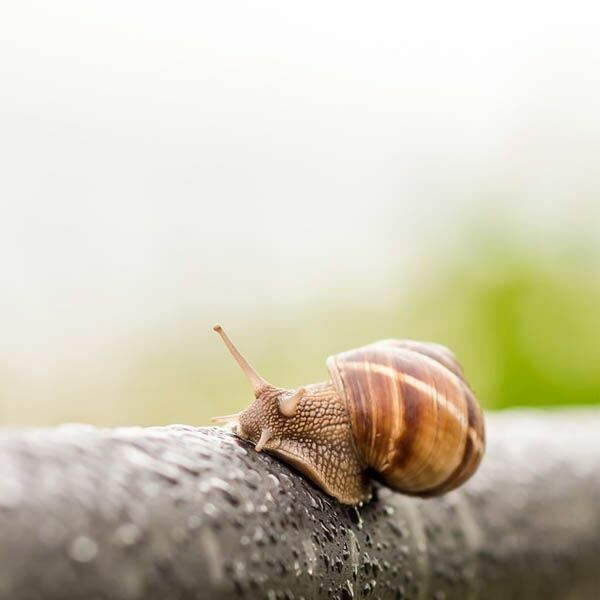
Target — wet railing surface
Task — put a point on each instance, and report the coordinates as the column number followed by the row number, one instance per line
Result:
column 183, row 512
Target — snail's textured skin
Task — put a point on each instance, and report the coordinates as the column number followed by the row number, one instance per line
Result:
column 181, row 512
column 317, row 440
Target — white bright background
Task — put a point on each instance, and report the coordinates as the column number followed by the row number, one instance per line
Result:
column 231, row 159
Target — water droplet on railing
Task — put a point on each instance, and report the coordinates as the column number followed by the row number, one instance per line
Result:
column 128, row 534
column 83, row 549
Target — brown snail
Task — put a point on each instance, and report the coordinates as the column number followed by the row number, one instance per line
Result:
column 396, row 410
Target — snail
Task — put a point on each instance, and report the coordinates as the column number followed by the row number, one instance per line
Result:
column 398, row 411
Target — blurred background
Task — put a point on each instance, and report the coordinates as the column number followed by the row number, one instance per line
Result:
column 314, row 177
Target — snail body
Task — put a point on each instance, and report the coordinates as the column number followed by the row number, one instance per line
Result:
column 399, row 411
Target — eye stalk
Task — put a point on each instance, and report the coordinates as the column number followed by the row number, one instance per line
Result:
column 256, row 381
column 288, row 400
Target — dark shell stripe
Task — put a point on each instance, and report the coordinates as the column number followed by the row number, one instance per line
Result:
column 363, row 417
column 414, row 414
column 414, row 418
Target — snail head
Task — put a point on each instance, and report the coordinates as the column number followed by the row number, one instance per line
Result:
column 263, row 422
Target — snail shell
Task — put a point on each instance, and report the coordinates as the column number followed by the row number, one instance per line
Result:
column 415, row 421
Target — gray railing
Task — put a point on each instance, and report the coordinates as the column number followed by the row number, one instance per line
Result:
column 182, row 512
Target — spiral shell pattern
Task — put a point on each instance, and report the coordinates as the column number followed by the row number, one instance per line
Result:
column 415, row 421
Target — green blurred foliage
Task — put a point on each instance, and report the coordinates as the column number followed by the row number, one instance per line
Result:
column 525, row 325
column 524, row 322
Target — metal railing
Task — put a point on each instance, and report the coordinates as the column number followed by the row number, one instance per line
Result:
column 182, row 512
